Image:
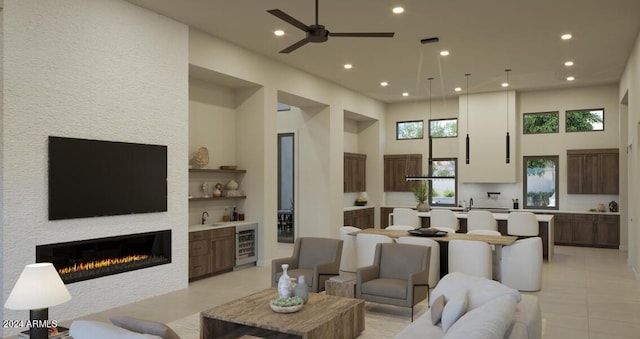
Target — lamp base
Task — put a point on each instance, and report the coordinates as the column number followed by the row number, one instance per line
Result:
column 39, row 319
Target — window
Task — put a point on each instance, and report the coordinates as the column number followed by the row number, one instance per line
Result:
column 543, row 122
column 444, row 191
column 585, row 120
column 443, row 128
column 541, row 182
column 409, row 130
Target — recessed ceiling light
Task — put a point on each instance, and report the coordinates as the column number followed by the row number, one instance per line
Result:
column 568, row 63
column 348, row 66
column 458, row 89
column 570, row 78
column 384, row 84
column 405, row 94
column 279, row 32
column 505, row 84
column 398, row 10
column 566, row 36
column 444, row 53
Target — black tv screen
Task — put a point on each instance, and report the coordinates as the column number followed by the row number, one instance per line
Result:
column 90, row 178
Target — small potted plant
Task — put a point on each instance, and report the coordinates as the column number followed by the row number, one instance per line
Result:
column 421, row 192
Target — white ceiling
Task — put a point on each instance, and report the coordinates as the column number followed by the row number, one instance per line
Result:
column 484, row 36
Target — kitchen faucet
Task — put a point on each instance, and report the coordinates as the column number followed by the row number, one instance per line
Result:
column 204, row 216
column 470, row 203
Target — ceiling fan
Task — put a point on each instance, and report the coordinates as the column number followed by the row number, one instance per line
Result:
column 317, row 32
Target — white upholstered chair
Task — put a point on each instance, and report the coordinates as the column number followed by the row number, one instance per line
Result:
column 348, row 261
column 522, row 224
column 444, row 218
column 406, row 216
column 471, row 257
column 481, row 220
column 434, row 264
column 521, row 264
column 401, row 227
column 495, row 261
column 366, row 247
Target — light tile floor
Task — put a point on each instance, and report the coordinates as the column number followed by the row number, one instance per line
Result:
column 586, row 293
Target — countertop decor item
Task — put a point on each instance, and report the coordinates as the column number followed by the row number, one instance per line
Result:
column 613, row 206
column 285, row 287
column 362, row 199
column 201, row 158
column 601, row 208
column 420, row 191
column 302, row 290
column 232, row 185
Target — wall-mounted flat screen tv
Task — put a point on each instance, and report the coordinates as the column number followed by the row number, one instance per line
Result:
column 91, row 178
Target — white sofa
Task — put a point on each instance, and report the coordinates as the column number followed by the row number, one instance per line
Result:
column 483, row 308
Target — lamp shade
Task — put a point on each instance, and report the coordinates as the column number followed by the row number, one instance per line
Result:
column 39, row 286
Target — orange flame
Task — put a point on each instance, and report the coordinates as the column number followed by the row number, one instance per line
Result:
column 102, row 263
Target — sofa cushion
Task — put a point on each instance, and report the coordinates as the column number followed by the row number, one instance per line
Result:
column 489, row 321
column 89, row 329
column 436, row 309
column 454, row 308
column 479, row 290
column 144, row 326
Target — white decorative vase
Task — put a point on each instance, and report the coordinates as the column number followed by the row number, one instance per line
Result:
column 232, row 185
column 285, row 287
column 423, row 207
column 302, row 290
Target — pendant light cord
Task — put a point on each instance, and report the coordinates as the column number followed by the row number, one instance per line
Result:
column 467, row 143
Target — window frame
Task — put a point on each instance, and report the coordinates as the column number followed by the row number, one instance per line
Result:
column 556, row 160
column 443, row 119
column 409, row 121
column 566, row 117
column 455, row 181
column 524, row 130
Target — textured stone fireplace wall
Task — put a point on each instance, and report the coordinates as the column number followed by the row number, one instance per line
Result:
column 92, row 69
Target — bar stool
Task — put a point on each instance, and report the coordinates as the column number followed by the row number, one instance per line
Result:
column 523, row 224
column 481, row 220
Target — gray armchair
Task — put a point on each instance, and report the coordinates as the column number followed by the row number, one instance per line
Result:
column 318, row 259
column 399, row 275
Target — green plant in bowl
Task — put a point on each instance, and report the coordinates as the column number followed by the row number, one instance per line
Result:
column 287, row 302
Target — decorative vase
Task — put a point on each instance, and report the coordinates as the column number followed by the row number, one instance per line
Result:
column 217, row 192
column 232, row 185
column 613, row 206
column 601, row 208
column 285, row 287
column 423, row 207
column 302, row 290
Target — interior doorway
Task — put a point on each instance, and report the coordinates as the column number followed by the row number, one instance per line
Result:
column 286, row 187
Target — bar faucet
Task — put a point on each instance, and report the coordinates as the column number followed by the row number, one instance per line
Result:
column 470, row 203
column 204, row 216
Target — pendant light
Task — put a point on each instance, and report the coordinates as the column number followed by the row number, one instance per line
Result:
column 508, row 141
column 430, row 160
column 467, row 140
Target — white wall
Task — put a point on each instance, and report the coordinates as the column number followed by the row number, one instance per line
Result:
column 103, row 70
column 350, row 136
column 630, row 87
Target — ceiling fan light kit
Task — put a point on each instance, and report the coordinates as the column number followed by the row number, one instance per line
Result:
column 318, row 33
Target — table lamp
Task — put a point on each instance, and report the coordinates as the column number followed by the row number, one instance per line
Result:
column 38, row 287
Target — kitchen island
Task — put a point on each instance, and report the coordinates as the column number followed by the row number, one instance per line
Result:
column 545, row 222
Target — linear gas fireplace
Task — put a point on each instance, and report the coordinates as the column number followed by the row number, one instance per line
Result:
column 93, row 258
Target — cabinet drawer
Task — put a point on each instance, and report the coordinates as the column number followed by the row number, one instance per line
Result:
column 199, row 235
column 199, row 247
column 223, row 232
column 582, row 218
column 608, row 218
column 199, row 265
column 561, row 217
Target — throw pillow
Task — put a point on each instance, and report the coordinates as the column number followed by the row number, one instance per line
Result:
column 489, row 321
column 454, row 308
column 436, row 309
column 480, row 290
column 89, row 329
column 145, row 326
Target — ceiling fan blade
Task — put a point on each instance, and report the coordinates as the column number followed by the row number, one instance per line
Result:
column 363, row 35
column 295, row 46
column 289, row 19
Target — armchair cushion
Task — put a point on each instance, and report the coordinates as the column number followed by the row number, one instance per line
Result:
column 388, row 287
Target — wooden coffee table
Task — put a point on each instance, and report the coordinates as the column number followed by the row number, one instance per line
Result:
column 324, row 316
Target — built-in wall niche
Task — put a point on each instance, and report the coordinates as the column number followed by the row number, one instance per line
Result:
column 93, row 258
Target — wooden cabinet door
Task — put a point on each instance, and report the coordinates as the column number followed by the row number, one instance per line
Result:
column 562, row 229
column 582, row 229
column 607, row 228
column 355, row 172
column 574, row 165
column 590, row 174
column 223, row 251
column 609, row 168
column 384, row 216
column 397, row 167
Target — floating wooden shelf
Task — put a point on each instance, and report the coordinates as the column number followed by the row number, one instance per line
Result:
column 218, row 198
column 212, row 170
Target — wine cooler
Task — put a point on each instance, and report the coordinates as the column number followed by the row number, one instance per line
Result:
column 246, row 244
